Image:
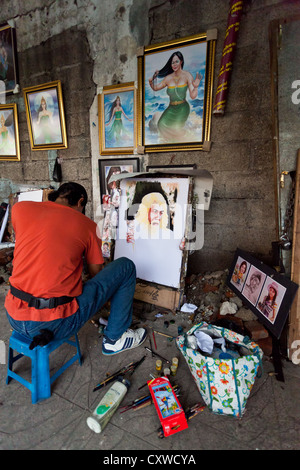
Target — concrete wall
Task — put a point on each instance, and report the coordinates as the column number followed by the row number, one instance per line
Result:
column 88, row 44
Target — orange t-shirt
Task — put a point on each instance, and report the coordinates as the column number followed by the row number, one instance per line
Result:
column 51, row 241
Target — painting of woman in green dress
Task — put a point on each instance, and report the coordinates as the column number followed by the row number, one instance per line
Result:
column 46, row 126
column 117, row 132
column 7, row 141
column 119, row 114
column 45, row 116
column 174, row 95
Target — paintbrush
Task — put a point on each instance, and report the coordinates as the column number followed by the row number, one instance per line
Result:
column 155, row 354
column 130, row 368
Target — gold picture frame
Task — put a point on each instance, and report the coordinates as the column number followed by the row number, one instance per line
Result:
column 117, row 109
column 9, row 72
column 9, row 133
column 179, row 120
column 45, row 116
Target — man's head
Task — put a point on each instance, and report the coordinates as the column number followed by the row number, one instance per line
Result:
column 70, row 194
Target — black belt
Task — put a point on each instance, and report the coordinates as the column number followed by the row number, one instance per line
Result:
column 39, row 302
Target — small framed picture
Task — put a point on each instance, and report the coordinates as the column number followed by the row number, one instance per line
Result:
column 110, row 167
column 45, row 116
column 268, row 294
column 8, row 60
column 9, row 132
column 117, row 119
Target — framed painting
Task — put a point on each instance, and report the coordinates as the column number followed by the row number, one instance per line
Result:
column 9, row 132
column 45, row 116
column 175, row 94
column 8, row 60
column 110, row 167
column 266, row 292
column 117, row 119
column 152, row 225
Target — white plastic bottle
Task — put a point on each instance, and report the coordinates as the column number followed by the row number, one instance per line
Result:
column 108, row 405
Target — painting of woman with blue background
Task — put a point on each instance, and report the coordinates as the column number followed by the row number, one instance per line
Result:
column 174, row 94
column 117, row 119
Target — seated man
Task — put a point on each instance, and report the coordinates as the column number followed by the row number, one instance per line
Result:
column 46, row 291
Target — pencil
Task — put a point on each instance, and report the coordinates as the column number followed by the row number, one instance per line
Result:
column 164, row 334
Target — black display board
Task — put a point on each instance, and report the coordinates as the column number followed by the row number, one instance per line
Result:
column 266, row 292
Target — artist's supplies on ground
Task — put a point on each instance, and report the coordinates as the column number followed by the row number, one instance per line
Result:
column 169, row 410
column 175, row 361
column 167, row 371
column 154, row 340
column 158, row 366
column 108, row 405
column 150, row 345
column 143, row 401
column 174, row 366
column 130, row 368
column 158, row 355
column 164, row 334
column 194, row 410
column 189, row 414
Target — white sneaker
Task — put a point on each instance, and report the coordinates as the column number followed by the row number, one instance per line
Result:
column 129, row 340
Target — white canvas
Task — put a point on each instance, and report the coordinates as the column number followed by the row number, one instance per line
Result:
column 156, row 252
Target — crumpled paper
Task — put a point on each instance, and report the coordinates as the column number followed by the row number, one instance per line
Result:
column 188, row 308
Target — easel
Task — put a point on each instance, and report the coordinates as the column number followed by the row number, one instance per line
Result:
column 277, row 358
column 163, row 296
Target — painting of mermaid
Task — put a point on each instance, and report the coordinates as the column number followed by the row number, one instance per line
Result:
column 117, row 119
column 176, row 83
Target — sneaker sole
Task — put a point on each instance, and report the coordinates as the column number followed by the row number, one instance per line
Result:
column 113, row 353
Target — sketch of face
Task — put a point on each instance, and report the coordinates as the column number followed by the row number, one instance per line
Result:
column 254, row 283
column 176, row 63
column 156, row 212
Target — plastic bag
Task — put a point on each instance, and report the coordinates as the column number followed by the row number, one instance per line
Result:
column 224, row 384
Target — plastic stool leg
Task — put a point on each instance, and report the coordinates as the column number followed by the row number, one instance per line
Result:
column 9, row 365
column 41, row 375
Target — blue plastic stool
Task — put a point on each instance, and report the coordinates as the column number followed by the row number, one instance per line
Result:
column 40, row 385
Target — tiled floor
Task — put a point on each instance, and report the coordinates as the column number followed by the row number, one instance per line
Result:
column 271, row 420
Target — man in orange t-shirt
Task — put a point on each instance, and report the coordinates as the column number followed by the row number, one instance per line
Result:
column 46, row 297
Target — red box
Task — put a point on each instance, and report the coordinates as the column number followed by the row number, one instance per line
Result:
column 170, row 412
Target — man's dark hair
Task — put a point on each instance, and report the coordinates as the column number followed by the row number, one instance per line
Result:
column 70, row 191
